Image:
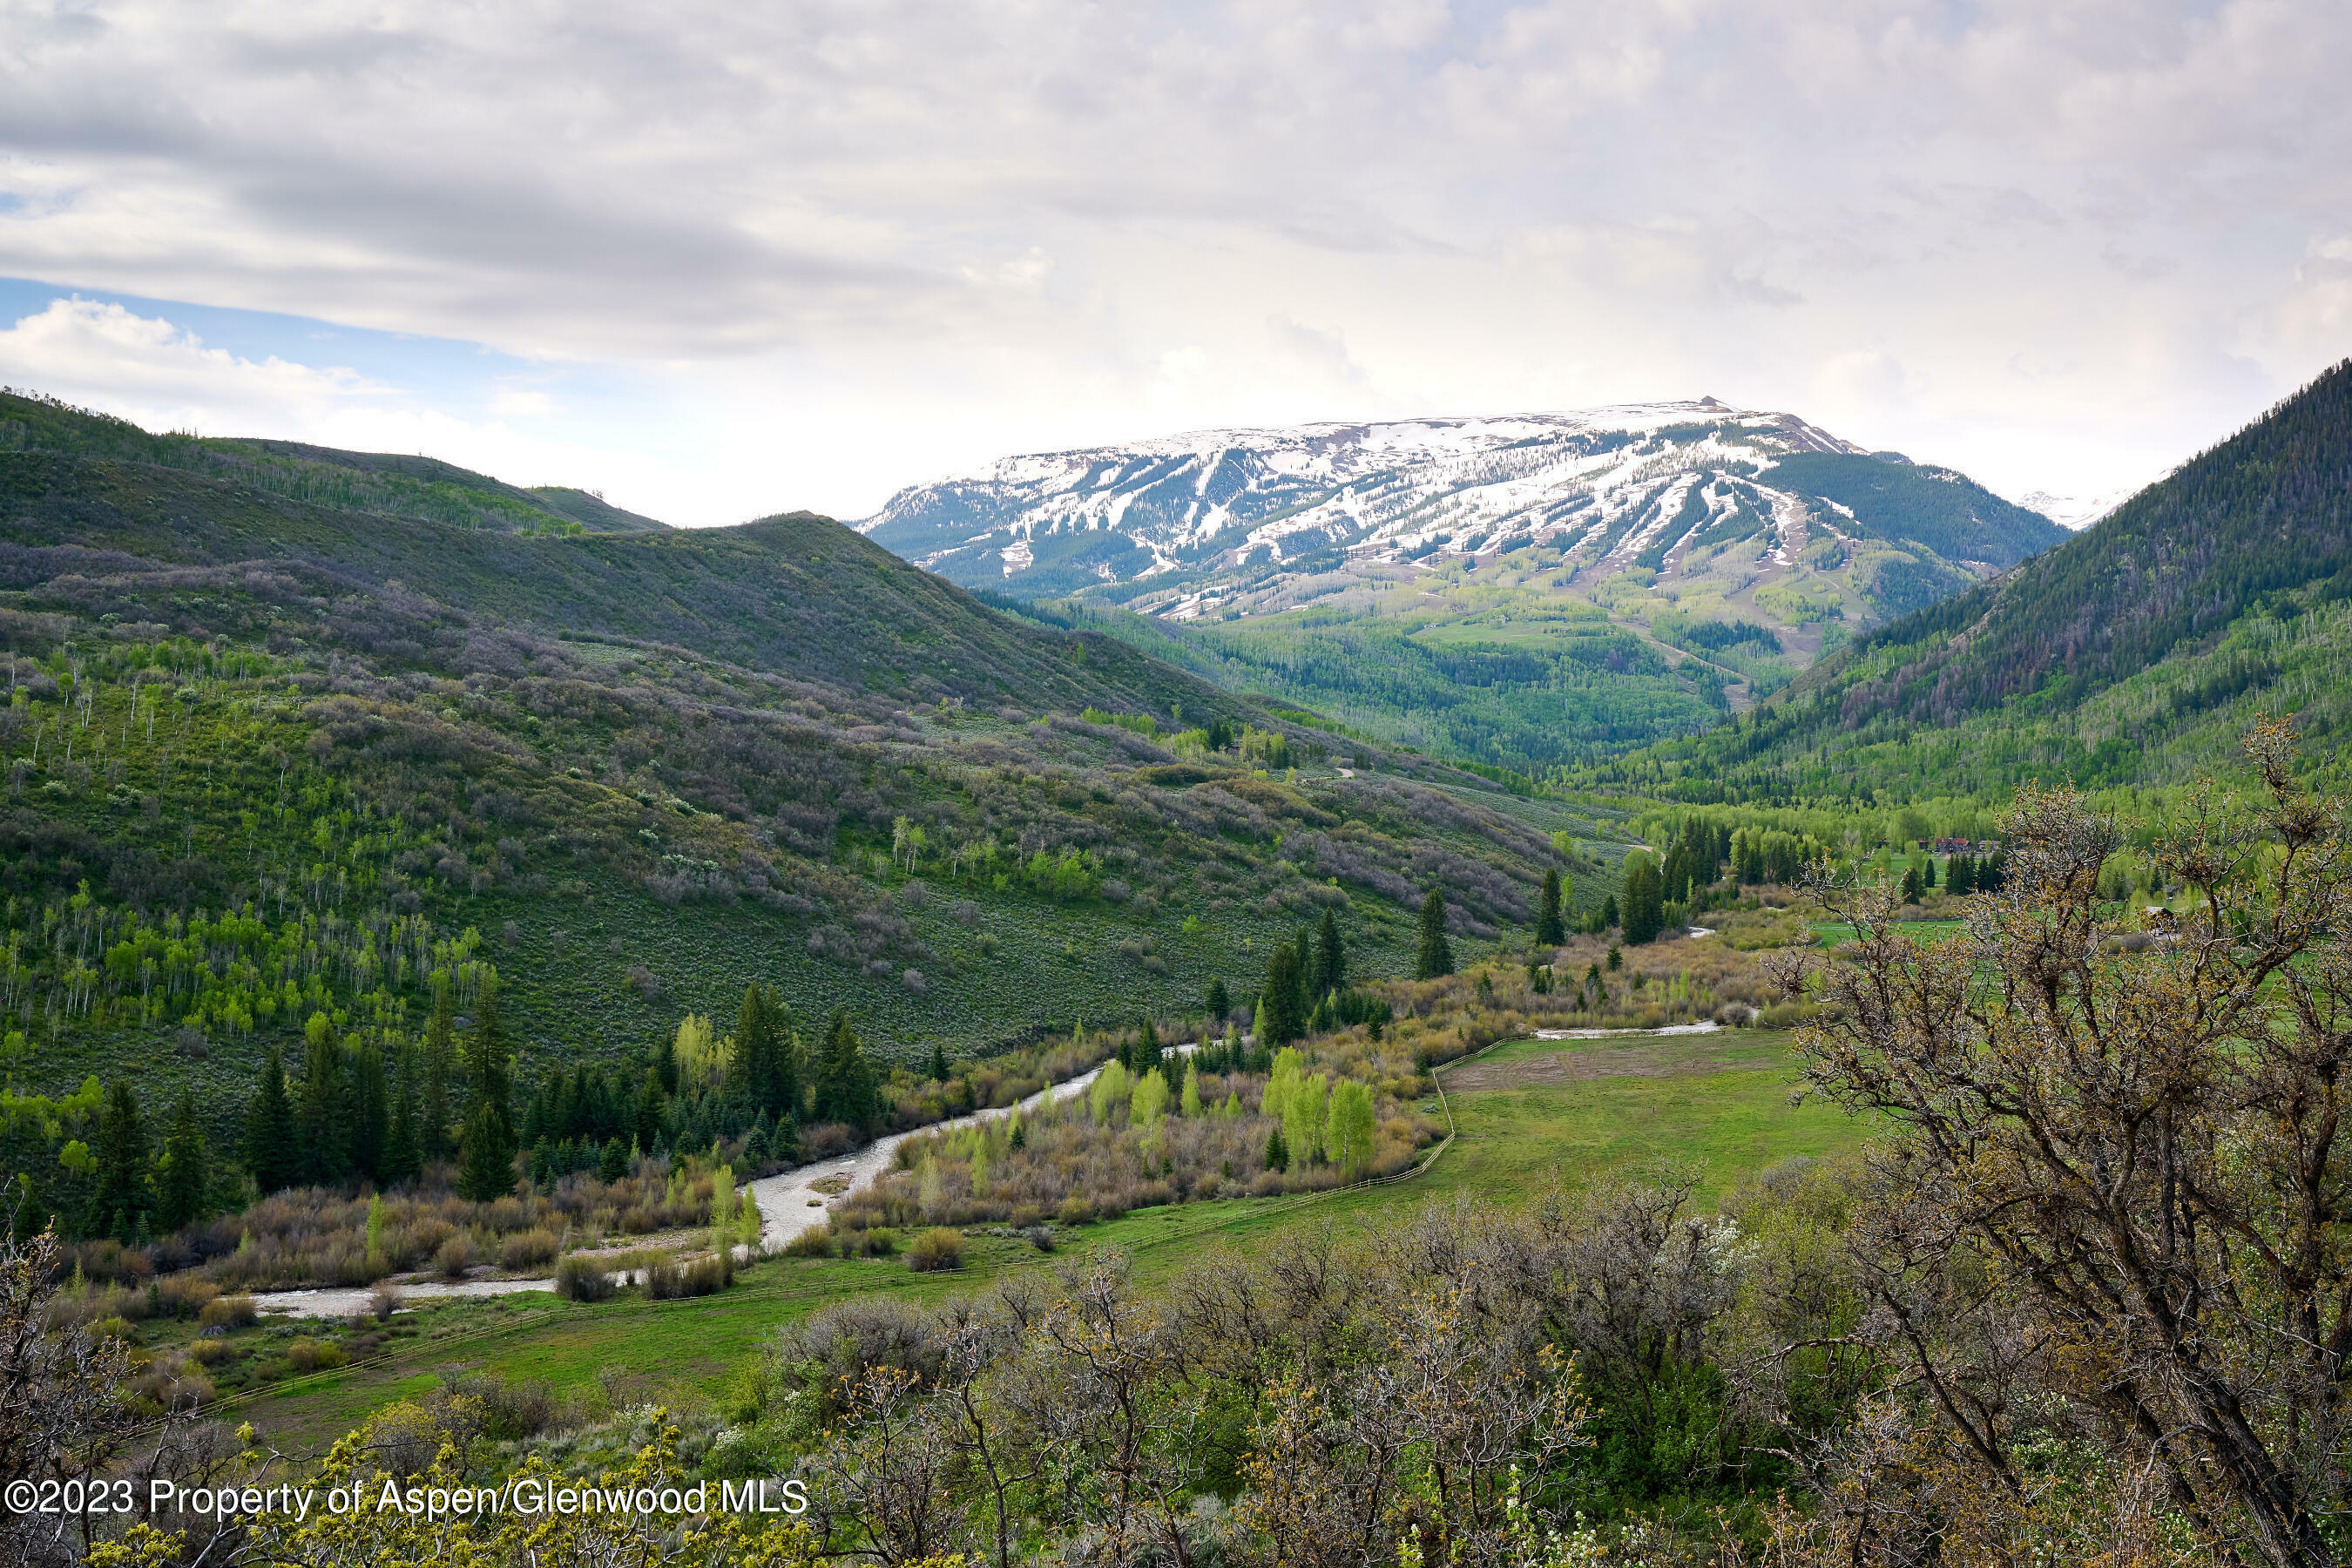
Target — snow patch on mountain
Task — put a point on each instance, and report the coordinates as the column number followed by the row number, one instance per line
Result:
column 1648, row 489
column 2076, row 511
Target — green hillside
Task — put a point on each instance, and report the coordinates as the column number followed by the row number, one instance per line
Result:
column 2135, row 653
column 1515, row 680
column 389, row 484
column 593, row 511
column 265, row 759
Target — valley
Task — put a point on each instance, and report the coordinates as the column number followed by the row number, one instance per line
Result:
column 670, row 991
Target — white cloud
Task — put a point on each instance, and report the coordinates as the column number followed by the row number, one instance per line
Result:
column 150, row 371
column 845, row 245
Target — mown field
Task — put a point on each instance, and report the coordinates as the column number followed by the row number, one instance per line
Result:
column 1532, row 1115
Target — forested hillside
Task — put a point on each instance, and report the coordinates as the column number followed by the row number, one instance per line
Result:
column 2135, row 652
column 1518, row 682
column 268, row 761
column 390, row 484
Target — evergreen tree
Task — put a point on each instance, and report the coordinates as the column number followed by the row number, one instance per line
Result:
column 186, row 1176
column 614, row 1164
column 1331, row 957
column 371, row 1101
column 938, row 1063
column 322, row 1111
column 440, row 1061
column 1959, row 877
column 1645, row 901
column 489, row 1054
column 121, row 1199
column 651, row 1105
column 1609, row 913
column 270, row 1151
column 1281, row 1018
column 1550, row 931
column 845, row 1080
column 1277, row 1153
column 1219, row 1001
column 485, row 1156
column 1436, row 954
column 1910, row 884
column 487, row 1151
column 403, row 1152
column 766, row 1067
column 666, row 1062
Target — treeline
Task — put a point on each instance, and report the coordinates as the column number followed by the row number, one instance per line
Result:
column 356, row 1116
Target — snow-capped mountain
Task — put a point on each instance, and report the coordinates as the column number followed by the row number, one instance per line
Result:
column 2076, row 512
column 1643, row 487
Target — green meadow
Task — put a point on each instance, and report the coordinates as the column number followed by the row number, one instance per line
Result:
column 1530, row 1116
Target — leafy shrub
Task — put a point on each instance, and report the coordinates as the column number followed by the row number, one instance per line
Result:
column 703, row 1277
column 815, row 1242
column 579, row 1279
column 509, row 1411
column 527, row 1250
column 184, row 1295
column 228, row 1312
column 316, row 1356
column 936, row 1250
column 456, row 1256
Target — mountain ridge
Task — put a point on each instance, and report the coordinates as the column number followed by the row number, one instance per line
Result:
column 2205, row 597
column 1524, row 591
column 1186, row 508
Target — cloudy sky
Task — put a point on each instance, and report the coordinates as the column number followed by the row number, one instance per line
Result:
column 723, row 259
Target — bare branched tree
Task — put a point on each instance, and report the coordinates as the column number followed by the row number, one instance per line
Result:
column 884, row 1482
column 63, row 1415
column 2118, row 1207
column 1114, row 1425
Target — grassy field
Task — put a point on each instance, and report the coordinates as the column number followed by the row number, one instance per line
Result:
column 1834, row 934
column 1530, row 1115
